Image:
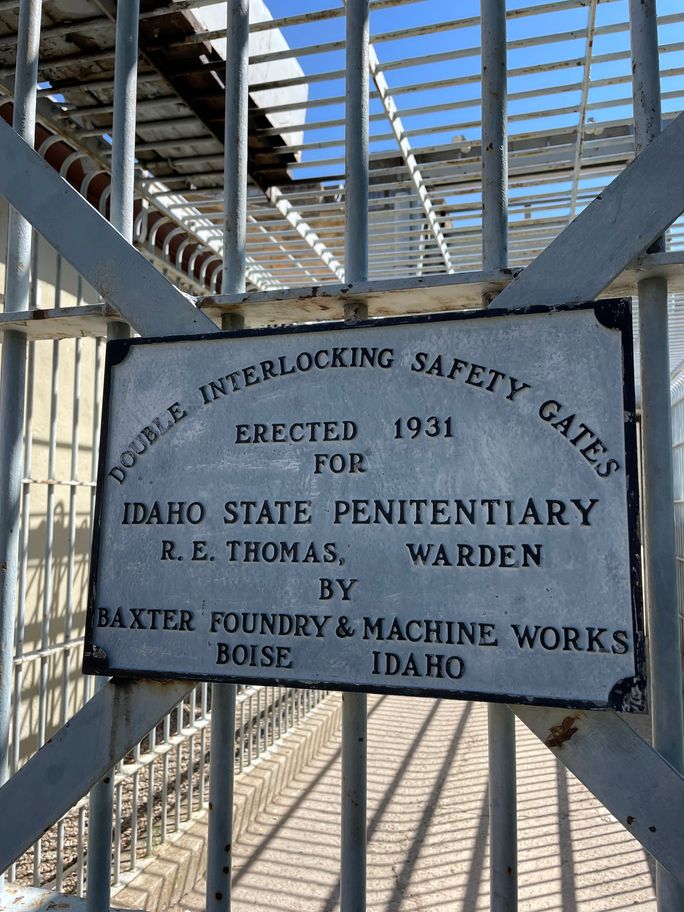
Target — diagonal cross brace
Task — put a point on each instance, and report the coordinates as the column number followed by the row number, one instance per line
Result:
column 632, row 780
column 643, row 791
column 628, row 776
column 77, row 756
column 119, row 272
column 623, row 221
column 122, row 712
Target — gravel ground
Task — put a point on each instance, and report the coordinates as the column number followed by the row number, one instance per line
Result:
column 138, row 789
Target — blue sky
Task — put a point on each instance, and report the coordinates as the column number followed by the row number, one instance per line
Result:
column 455, row 122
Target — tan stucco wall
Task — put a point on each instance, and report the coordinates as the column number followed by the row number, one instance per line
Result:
column 44, row 588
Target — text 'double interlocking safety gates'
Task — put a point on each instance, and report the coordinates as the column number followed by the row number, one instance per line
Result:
column 441, row 506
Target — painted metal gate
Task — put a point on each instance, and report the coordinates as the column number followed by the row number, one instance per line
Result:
column 622, row 225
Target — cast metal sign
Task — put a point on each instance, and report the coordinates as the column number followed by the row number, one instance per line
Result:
column 439, row 506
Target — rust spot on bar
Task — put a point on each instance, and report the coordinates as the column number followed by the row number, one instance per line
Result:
column 559, row 734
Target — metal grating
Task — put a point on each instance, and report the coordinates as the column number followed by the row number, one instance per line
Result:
column 570, row 125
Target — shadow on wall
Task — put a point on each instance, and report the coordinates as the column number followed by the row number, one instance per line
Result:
column 49, row 687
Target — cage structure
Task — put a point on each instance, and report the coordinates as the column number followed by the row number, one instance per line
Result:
column 568, row 125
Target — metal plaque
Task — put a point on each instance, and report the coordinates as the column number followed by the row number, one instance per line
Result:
column 440, row 506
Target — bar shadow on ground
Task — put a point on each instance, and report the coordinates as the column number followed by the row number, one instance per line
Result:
column 428, row 827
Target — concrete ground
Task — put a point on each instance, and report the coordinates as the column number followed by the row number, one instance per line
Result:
column 427, row 827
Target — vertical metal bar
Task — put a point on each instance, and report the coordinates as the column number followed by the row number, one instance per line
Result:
column 179, row 760
column 59, row 861
column 222, row 759
column 121, row 216
column 354, row 764
column 49, row 547
column 355, row 705
column 13, row 372
column 203, row 746
column 646, row 72
column 221, row 774
column 250, row 726
column 73, row 497
column 257, row 734
column 151, row 745
column 71, row 550
column 241, row 733
column 273, row 709
column 49, row 554
column 494, row 135
column 235, row 158
column 165, row 778
column 123, row 117
column 98, row 871
column 235, row 147
column 94, row 448
column 658, row 488
column 117, row 775
column 267, row 713
column 191, row 753
column 272, row 720
column 25, row 529
column 134, row 807
column 503, row 858
column 356, row 144
column 80, row 855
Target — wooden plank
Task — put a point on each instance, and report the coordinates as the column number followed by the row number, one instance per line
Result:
column 60, row 322
column 393, row 297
